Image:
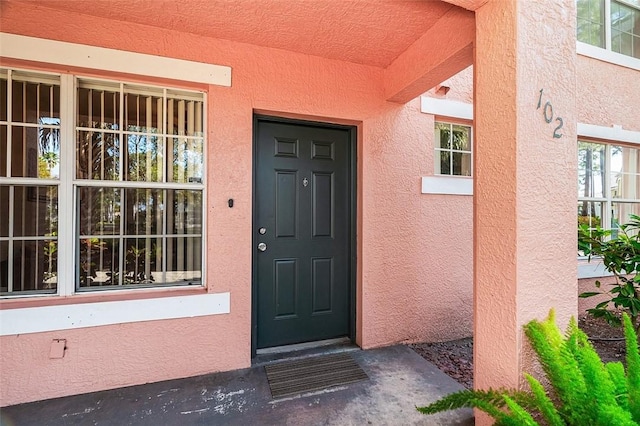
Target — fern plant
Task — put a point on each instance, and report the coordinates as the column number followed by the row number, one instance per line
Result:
column 585, row 391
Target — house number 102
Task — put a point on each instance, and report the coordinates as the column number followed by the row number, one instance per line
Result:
column 547, row 112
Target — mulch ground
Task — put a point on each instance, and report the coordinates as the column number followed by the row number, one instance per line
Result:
column 455, row 358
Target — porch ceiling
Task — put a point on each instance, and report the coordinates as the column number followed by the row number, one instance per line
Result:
column 369, row 32
column 418, row 43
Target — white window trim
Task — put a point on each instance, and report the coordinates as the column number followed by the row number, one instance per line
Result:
column 446, row 108
column 611, row 134
column 100, row 58
column 592, row 269
column 447, row 185
column 69, row 317
column 443, row 184
column 605, row 55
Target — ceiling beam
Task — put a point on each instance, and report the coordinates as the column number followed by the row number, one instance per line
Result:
column 443, row 51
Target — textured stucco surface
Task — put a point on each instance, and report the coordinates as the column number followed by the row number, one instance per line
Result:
column 524, row 251
column 460, row 87
column 408, row 287
column 609, row 94
column 353, row 31
column 449, row 44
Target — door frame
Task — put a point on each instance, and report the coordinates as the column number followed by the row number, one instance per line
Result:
column 353, row 201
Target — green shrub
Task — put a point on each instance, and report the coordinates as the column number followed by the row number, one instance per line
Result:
column 584, row 390
column 620, row 253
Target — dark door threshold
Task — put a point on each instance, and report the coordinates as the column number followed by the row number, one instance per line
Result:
column 303, row 350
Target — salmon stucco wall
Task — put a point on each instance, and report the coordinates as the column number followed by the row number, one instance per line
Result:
column 460, row 87
column 414, row 250
column 608, row 94
column 524, row 255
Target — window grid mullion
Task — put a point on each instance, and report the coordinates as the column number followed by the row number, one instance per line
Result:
column 607, row 24
column 11, row 220
column 9, row 119
column 471, row 148
column 450, row 149
column 66, row 191
column 123, row 197
column 607, row 189
column 165, row 178
column 203, row 240
column 24, row 172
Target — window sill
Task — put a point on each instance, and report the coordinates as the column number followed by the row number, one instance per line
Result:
column 593, row 269
column 605, row 55
column 447, row 185
column 117, row 295
column 22, row 316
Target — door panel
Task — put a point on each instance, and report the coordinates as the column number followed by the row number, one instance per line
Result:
column 285, row 287
column 303, row 200
column 323, row 204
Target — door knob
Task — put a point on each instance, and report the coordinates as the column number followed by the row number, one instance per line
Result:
column 262, row 247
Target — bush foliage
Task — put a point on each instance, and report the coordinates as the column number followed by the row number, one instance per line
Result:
column 619, row 250
column 584, row 390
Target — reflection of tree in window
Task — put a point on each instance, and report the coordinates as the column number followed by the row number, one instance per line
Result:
column 453, row 149
column 590, row 27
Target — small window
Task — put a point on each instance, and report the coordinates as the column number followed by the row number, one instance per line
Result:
column 452, row 149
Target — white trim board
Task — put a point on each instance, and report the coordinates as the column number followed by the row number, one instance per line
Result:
column 68, row 317
column 100, row 58
column 593, row 269
column 605, row 55
column 446, row 108
column 614, row 134
column 447, row 185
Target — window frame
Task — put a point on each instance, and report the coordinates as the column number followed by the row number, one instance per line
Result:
column 68, row 183
column 438, row 150
column 611, row 56
column 608, row 199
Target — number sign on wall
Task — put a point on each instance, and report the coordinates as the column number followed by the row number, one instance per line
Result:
column 547, row 113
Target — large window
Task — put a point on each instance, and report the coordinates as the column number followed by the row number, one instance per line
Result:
column 608, row 184
column 108, row 194
column 611, row 24
column 453, row 149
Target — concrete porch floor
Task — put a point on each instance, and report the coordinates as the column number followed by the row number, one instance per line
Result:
column 399, row 379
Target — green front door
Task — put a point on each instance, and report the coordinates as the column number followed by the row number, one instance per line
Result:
column 302, row 233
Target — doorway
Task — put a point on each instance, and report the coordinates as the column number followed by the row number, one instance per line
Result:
column 303, row 232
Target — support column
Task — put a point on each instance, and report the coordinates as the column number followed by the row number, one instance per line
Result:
column 525, row 181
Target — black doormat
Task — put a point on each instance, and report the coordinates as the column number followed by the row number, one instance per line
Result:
column 312, row 374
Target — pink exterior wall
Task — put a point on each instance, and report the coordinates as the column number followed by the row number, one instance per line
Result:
column 407, row 287
column 460, row 87
column 524, row 188
column 608, row 94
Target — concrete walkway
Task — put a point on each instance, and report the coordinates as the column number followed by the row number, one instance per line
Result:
column 399, row 379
